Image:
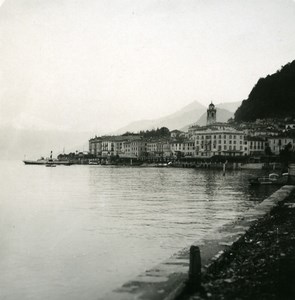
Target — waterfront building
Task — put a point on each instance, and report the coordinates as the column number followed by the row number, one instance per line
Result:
column 278, row 143
column 158, row 149
column 133, row 148
column 109, row 146
column 189, row 148
column 112, row 146
column 216, row 138
column 224, row 139
column 182, row 148
column 95, row 146
column 215, row 141
column 254, row 146
column 177, row 149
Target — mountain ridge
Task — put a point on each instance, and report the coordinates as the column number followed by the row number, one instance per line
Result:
column 189, row 114
column 271, row 97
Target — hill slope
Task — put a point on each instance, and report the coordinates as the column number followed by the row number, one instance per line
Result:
column 271, row 97
column 186, row 115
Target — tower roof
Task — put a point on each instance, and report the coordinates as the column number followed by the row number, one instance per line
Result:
column 211, row 105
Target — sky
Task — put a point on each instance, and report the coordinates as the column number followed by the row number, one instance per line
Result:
column 97, row 65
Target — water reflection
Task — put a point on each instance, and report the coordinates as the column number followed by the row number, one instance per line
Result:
column 108, row 223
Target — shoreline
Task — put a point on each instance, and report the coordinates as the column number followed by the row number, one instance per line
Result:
column 168, row 279
column 260, row 265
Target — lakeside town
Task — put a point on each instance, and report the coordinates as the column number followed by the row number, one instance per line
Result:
column 261, row 142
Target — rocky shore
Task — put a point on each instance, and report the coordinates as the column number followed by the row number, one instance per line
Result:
column 260, row 265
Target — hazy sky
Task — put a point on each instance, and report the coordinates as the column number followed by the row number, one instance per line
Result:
column 100, row 64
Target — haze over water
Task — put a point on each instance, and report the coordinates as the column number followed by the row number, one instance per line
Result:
column 78, row 232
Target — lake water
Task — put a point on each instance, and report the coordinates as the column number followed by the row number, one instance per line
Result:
column 78, row 232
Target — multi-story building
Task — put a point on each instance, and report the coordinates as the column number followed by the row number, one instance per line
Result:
column 108, row 146
column 177, row 148
column 254, row 145
column 211, row 141
column 95, row 146
column 133, row 148
column 224, row 139
column 278, row 143
column 158, row 149
column 216, row 138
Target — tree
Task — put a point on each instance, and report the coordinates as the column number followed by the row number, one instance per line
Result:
column 267, row 151
column 286, row 156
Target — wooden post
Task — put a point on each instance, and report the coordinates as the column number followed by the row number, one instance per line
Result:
column 194, row 273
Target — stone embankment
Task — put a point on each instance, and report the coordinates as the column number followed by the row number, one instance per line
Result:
column 223, row 260
column 260, row 265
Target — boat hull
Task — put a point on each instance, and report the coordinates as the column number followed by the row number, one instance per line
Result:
column 44, row 162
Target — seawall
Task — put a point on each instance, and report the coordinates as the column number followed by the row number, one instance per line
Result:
column 168, row 279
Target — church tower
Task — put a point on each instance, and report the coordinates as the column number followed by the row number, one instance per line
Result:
column 211, row 114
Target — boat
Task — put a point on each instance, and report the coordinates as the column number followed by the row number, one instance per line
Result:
column 251, row 166
column 44, row 161
column 271, row 179
column 40, row 161
column 163, row 165
column 50, row 164
column 93, row 162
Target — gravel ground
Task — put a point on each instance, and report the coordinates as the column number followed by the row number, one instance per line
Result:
column 261, row 265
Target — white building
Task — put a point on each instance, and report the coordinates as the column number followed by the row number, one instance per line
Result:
column 254, row 145
column 214, row 141
column 216, row 138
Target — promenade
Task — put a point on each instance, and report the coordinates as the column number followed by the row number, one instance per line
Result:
column 261, row 265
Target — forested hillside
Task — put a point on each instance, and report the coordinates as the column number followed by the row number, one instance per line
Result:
column 271, row 97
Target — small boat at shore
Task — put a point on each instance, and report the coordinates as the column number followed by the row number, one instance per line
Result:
column 93, row 162
column 271, row 179
column 49, row 164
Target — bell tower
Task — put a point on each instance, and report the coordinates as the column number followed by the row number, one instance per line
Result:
column 211, row 114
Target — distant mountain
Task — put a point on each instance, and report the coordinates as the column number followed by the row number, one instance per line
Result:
column 230, row 106
column 222, row 115
column 271, row 97
column 194, row 113
column 15, row 143
column 187, row 114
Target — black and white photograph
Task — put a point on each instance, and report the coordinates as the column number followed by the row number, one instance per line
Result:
column 147, row 149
